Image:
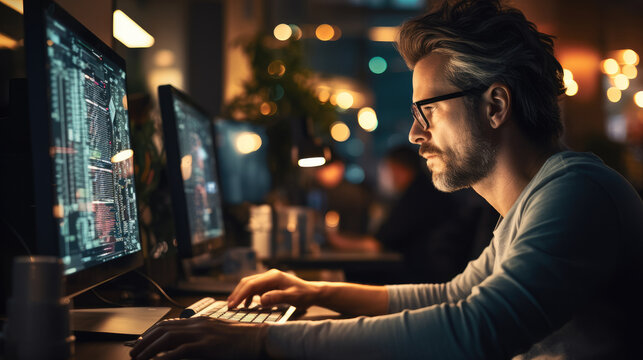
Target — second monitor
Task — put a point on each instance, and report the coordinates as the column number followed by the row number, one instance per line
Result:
column 195, row 189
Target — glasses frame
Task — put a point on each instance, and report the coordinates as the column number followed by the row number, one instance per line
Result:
column 416, row 107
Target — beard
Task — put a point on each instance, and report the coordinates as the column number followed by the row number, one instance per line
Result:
column 467, row 163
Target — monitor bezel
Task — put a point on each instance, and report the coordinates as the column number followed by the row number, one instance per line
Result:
column 47, row 233
column 186, row 249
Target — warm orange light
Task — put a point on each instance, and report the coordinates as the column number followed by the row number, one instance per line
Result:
column 629, row 71
column 14, row 4
column 264, row 108
column 339, row 131
column 277, row 68
column 248, row 142
column 367, row 119
column 332, row 219
column 621, row 82
column 609, row 66
column 613, row 94
column 122, row 155
column 323, row 95
column 333, row 99
column 572, row 88
column 186, row 167
column 630, row 57
column 282, row 32
column 129, row 32
column 164, row 58
column 7, row 42
column 383, row 33
column 345, row 100
column 638, row 99
column 268, row 108
column 567, row 76
column 324, row 32
column 330, row 175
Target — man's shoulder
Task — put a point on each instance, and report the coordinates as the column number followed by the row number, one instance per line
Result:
column 581, row 185
column 578, row 172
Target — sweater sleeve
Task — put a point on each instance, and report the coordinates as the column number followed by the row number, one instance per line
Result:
column 417, row 296
column 554, row 264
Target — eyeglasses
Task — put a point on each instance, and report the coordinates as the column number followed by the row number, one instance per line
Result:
column 416, row 107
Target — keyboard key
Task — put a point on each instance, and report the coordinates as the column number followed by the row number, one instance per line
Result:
column 249, row 317
column 274, row 316
column 260, row 318
column 227, row 315
column 238, row 316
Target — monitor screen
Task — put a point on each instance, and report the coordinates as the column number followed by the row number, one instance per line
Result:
column 94, row 200
column 192, row 166
column 86, row 211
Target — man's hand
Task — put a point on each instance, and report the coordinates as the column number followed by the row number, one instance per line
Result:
column 202, row 338
column 275, row 287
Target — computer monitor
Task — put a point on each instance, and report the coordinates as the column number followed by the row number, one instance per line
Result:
column 85, row 198
column 192, row 174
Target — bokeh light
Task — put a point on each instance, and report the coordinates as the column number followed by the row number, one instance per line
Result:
column 282, row 32
column 268, row 108
column 344, row 100
column 613, row 94
column 339, row 131
column 355, row 174
column 630, row 57
column 324, row 32
column 377, row 64
column 323, row 95
column 248, row 142
column 367, row 119
column 629, row 71
column 572, row 88
column 296, row 32
column 332, row 219
column 621, row 82
column 609, row 66
column 638, row 99
column 277, row 68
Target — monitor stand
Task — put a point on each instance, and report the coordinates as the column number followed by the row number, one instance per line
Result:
column 123, row 320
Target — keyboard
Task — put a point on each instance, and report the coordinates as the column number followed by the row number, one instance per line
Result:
column 255, row 313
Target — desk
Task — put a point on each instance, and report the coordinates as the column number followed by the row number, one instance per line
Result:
column 107, row 347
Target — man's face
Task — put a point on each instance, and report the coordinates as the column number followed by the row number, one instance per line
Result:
column 457, row 145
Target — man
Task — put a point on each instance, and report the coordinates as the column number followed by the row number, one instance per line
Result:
column 556, row 280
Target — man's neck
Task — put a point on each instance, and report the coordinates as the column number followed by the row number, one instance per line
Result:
column 516, row 164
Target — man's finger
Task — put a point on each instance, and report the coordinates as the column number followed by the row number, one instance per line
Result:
column 275, row 297
column 254, row 286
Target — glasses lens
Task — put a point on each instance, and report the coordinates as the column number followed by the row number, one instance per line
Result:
column 417, row 116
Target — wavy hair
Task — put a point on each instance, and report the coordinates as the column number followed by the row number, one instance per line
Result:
column 486, row 43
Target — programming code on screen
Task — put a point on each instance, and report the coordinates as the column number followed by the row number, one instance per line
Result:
column 198, row 170
column 95, row 200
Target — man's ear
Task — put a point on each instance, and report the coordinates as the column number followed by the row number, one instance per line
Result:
column 498, row 104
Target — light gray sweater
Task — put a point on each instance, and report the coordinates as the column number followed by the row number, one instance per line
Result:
column 556, row 280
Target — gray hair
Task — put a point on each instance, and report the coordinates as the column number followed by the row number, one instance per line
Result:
column 486, row 43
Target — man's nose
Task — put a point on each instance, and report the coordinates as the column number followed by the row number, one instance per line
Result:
column 417, row 135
